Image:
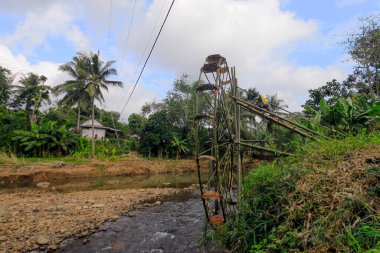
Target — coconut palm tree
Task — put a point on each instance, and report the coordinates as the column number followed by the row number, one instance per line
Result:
column 96, row 81
column 31, row 93
column 91, row 78
column 74, row 90
column 276, row 102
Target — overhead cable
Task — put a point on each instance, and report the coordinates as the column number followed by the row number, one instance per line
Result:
column 150, row 53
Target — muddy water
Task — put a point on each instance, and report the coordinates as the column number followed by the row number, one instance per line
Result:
column 175, row 226
column 171, row 180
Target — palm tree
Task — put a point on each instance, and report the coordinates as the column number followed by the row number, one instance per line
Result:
column 6, row 80
column 97, row 80
column 276, row 102
column 91, row 77
column 74, row 90
column 31, row 93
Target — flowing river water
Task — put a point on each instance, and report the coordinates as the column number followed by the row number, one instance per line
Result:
column 177, row 225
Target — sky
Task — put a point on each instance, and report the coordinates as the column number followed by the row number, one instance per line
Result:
column 283, row 47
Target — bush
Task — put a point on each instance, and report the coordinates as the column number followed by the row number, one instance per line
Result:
column 107, row 148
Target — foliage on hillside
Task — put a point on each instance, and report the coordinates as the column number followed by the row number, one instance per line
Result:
column 325, row 199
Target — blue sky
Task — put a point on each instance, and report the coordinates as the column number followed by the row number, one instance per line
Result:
column 278, row 46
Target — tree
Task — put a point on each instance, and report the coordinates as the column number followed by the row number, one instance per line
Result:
column 276, row 102
column 91, row 78
column 97, row 81
column 31, row 94
column 157, row 134
column 74, row 90
column 6, row 80
column 364, row 48
column 136, row 124
column 329, row 92
column 9, row 121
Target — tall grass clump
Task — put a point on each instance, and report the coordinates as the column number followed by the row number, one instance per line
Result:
column 325, row 199
column 10, row 160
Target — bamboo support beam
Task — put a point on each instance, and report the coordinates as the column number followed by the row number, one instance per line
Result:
column 271, row 117
column 265, row 149
column 286, row 120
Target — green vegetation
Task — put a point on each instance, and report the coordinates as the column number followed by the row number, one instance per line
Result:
column 326, row 198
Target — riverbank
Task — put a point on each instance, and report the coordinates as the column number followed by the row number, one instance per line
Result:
column 29, row 172
column 41, row 220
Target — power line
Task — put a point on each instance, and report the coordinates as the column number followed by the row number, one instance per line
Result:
column 127, row 38
column 109, row 31
column 150, row 37
column 151, row 50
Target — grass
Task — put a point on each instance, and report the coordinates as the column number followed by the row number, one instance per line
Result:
column 325, row 199
column 11, row 160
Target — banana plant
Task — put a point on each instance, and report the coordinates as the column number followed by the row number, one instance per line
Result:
column 46, row 139
column 351, row 114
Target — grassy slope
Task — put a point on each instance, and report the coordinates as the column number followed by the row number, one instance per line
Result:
column 327, row 199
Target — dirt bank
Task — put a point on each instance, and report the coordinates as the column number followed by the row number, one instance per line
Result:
column 36, row 220
column 56, row 170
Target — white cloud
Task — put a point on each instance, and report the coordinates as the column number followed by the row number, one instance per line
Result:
column 256, row 36
column 37, row 26
column 78, row 38
column 44, row 21
column 117, row 97
column 20, row 66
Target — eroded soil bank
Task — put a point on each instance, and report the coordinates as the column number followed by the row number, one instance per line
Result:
column 34, row 172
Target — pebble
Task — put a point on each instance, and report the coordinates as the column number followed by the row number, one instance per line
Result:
column 42, row 240
column 43, row 185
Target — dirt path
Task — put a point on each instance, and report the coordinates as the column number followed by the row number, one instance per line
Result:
column 38, row 220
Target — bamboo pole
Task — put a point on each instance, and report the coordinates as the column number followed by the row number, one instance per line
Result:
column 284, row 119
column 238, row 134
column 276, row 119
column 265, row 149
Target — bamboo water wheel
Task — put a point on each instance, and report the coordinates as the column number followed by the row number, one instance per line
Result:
column 215, row 121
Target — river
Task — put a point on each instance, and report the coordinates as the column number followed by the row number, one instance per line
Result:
column 175, row 226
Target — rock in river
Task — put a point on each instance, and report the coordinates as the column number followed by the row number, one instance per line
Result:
column 43, row 185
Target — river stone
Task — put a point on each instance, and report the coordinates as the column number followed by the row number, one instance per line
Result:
column 43, row 185
column 2, row 212
column 42, row 240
